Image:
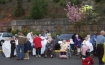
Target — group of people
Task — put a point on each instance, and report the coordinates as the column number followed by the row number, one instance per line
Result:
column 21, row 45
column 91, row 45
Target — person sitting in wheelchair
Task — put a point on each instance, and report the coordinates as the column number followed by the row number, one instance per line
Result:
column 49, row 47
column 64, row 48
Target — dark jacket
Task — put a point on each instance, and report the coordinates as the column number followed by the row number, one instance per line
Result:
column 21, row 39
column 50, row 45
column 13, row 45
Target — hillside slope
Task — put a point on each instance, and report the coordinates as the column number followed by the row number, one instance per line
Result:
column 55, row 10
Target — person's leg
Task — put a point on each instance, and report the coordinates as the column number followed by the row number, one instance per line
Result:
column 36, row 52
column 12, row 52
column 46, row 52
column 98, row 51
column 39, row 52
column 18, row 51
column 22, row 51
column 26, row 55
column 101, row 54
column 51, row 53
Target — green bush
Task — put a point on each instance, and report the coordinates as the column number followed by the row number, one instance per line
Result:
column 15, row 31
column 62, row 3
column 9, row 0
column 38, row 9
column 83, row 34
column 56, row 1
column 28, row 0
column 97, row 1
column 2, row 2
column 25, row 31
column 75, row 2
column 36, row 32
column 19, row 10
column 9, row 29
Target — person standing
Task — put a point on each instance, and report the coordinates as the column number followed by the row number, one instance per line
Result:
column 93, row 41
column 20, row 47
column 13, row 46
column 100, row 50
column 77, row 43
column 37, row 43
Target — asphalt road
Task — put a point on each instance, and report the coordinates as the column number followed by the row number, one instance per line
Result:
column 43, row 61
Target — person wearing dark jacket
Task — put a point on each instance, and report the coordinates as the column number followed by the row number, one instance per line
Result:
column 13, row 46
column 20, row 47
column 26, row 50
column 50, row 47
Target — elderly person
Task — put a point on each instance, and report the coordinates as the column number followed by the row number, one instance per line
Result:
column 100, row 50
column 20, row 47
column 87, row 46
column 77, row 43
column 49, row 47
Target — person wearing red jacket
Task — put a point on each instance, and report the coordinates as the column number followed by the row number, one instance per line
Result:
column 87, row 60
column 37, row 44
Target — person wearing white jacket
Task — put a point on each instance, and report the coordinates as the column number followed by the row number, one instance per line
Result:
column 87, row 43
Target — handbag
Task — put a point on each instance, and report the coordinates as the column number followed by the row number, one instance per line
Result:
column 103, row 59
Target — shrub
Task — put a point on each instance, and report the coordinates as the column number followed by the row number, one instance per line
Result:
column 56, row 1
column 75, row 2
column 9, row 0
column 2, row 2
column 62, row 3
column 28, row 0
column 38, row 9
column 83, row 34
column 15, row 31
column 97, row 1
column 9, row 29
column 25, row 31
column 36, row 32
column 19, row 11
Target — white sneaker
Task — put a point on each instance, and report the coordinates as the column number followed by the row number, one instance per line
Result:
column 39, row 55
column 36, row 56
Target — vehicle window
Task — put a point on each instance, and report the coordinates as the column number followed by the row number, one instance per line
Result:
column 65, row 36
column 10, row 35
column 5, row 35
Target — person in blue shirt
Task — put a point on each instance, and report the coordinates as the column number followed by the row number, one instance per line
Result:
column 93, row 41
column 100, row 47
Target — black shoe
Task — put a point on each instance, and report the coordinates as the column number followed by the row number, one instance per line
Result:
column 22, row 58
column 18, row 59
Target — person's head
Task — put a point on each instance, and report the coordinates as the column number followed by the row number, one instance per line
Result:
column 12, row 38
column 102, row 32
column 86, row 38
column 39, row 35
column 76, row 35
column 64, row 41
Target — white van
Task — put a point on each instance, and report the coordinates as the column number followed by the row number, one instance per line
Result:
column 4, row 36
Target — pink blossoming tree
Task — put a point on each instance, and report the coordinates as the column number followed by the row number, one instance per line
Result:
column 73, row 12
